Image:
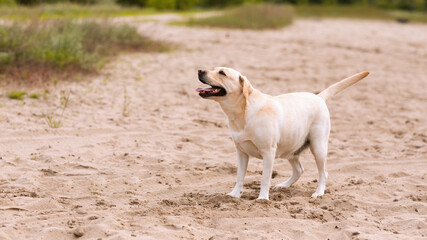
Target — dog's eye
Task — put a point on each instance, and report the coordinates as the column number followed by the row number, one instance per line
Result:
column 222, row 73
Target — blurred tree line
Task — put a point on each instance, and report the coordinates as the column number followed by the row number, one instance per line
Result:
column 418, row 5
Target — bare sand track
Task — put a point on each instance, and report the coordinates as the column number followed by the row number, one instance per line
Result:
column 162, row 172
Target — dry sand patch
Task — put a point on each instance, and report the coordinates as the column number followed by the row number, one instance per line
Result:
column 162, row 172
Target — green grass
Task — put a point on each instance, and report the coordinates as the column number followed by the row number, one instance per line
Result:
column 50, row 50
column 250, row 16
column 70, row 10
column 34, row 95
column 359, row 12
column 18, row 95
column 267, row 16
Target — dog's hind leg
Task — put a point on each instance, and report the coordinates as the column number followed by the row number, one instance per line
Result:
column 319, row 148
column 242, row 165
column 297, row 170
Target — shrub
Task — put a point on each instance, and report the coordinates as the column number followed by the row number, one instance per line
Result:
column 5, row 57
column 69, row 10
column 65, row 47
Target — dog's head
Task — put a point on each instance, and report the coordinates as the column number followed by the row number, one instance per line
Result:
column 224, row 82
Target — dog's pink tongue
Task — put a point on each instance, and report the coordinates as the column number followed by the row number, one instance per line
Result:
column 204, row 89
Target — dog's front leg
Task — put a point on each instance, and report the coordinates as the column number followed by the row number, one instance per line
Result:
column 267, row 170
column 242, row 165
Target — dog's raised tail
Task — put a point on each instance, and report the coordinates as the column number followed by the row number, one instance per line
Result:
column 334, row 89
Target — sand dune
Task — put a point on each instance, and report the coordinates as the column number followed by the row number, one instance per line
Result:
column 162, row 172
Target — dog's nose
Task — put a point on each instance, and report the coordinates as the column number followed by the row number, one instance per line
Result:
column 201, row 72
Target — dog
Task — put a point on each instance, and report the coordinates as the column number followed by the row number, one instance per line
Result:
column 269, row 127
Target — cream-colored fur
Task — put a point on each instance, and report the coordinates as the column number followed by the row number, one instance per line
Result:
column 268, row 127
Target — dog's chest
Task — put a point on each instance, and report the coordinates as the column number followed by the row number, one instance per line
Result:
column 244, row 144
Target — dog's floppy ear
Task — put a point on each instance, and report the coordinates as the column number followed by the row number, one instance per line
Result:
column 246, row 86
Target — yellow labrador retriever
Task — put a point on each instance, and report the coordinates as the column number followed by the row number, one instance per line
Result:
column 268, row 127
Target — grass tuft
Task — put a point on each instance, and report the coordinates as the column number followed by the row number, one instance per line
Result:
column 250, row 16
column 53, row 120
column 126, row 104
column 34, row 95
column 45, row 50
column 18, row 95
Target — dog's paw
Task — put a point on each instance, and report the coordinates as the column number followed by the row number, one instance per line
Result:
column 282, row 185
column 262, row 198
column 317, row 194
column 234, row 194
column 263, row 195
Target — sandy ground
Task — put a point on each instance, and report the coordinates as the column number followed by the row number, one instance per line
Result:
column 162, row 172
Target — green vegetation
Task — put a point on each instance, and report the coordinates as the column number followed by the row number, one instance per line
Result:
column 46, row 9
column 44, row 49
column 34, row 95
column 267, row 16
column 411, row 5
column 173, row 4
column 111, row 7
column 33, row 2
column 250, row 16
column 18, row 95
column 358, row 11
column 70, row 10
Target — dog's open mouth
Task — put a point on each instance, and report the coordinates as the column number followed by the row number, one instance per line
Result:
column 214, row 91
